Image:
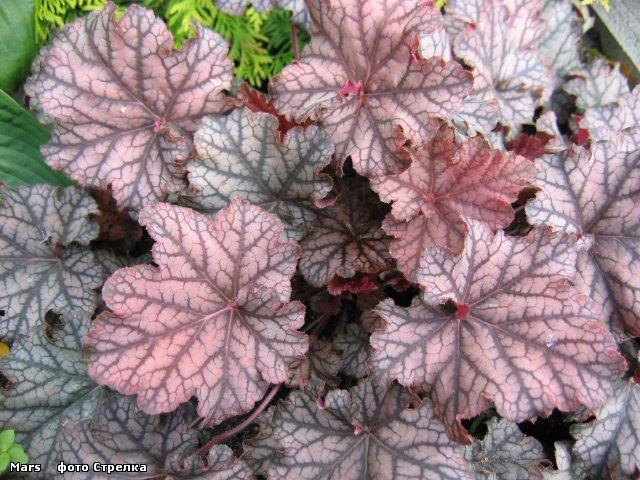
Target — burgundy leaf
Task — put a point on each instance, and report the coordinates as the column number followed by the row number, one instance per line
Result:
column 501, row 324
column 241, row 154
column 121, row 433
column 500, row 41
column 445, row 182
column 347, row 239
column 44, row 260
column 609, row 446
column 321, row 363
column 505, row 453
column 595, row 196
column 49, row 391
column 124, row 103
column 213, row 320
column 116, row 225
column 257, row 102
column 361, row 75
column 367, row 432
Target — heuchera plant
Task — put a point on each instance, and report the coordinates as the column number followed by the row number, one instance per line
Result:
column 417, row 257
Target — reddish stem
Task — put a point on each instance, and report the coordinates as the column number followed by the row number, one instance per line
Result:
column 241, row 426
column 294, row 40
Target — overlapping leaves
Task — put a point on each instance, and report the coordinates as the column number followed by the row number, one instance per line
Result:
column 609, row 447
column 368, row 432
column 361, row 76
column 242, row 155
column 347, row 238
column 213, row 320
column 500, row 42
column 45, row 263
column 49, row 392
column 501, row 324
column 594, row 195
column 123, row 104
column 122, row 434
column 445, row 183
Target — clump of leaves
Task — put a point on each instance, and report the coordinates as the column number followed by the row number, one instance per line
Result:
column 334, row 280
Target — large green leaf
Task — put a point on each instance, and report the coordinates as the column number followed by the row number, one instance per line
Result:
column 17, row 41
column 20, row 138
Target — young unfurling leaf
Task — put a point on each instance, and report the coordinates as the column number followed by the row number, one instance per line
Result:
column 124, row 104
column 499, row 323
column 213, row 320
column 361, row 76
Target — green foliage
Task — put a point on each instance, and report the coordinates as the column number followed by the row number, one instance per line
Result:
column 10, row 451
column 260, row 43
column 20, row 138
column 17, row 44
column 52, row 14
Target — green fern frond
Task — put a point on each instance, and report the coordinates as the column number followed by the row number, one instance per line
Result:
column 260, row 44
column 52, row 14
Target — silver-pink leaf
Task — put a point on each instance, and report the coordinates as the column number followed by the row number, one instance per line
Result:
column 368, row 432
column 500, row 41
column 361, row 76
column 44, row 260
column 124, row 104
column 595, row 195
column 500, row 323
column 609, row 446
column 505, row 453
column 213, row 320
column 347, row 239
column 242, row 154
column 122, row 434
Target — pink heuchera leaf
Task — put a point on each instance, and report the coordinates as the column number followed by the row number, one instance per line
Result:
column 124, row 103
column 499, row 40
column 300, row 13
column 45, row 263
column 501, row 324
column 446, row 181
column 361, row 75
column 367, row 432
column 121, row 433
column 347, row 239
column 213, row 320
column 609, row 446
column 595, row 195
column 506, row 453
column 241, row 154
